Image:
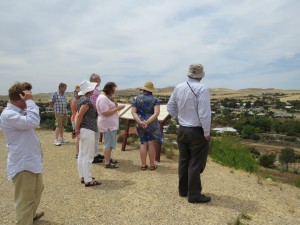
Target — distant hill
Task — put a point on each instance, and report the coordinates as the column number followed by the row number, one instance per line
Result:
column 216, row 93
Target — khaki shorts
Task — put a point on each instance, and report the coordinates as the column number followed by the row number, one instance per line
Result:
column 61, row 120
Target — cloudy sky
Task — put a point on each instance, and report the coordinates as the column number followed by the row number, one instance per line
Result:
column 241, row 43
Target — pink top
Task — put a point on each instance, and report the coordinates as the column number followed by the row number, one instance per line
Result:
column 94, row 97
column 105, row 123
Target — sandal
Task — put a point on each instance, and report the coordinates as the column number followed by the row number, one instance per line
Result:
column 94, row 183
column 111, row 165
column 144, row 167
column 114, row 161
column 154, row 167
column 82, row 180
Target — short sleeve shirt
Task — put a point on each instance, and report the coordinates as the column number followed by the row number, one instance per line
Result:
column 89, row 120
column 60, row 102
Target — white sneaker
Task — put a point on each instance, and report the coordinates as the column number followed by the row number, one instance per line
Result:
column 57, row 143
column 63, row 141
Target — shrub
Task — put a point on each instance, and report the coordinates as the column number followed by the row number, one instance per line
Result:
column 168, row 149
column 230, row 152
column 248, row 131
column 287, row 156
column 254, row 152
column 172, row 129
column 48, row 124
column 255, row 137
column 169, row 153
column 267, row 160
column 120, row 137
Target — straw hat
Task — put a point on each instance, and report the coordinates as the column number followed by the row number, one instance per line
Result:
column 148, row 86
column 86, row 86
column 196, row 71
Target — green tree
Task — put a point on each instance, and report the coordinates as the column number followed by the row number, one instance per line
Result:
column 248, row 131
column 248, row 105
column 287, row 156
column 267, row 160
column 262, row 123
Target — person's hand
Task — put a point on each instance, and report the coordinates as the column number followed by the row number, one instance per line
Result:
column 143, row 124
column 25, row 95
column 120, row 107
column 207, row 138
column 75, row 133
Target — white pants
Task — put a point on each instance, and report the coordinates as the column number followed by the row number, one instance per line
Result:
column 86, row 154
column 97, row 136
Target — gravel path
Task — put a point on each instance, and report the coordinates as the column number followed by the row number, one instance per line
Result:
column 131, row 196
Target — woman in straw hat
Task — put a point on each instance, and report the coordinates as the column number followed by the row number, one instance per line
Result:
column 86, row 127
column 145, row 110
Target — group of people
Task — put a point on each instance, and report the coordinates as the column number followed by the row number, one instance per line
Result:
column 94, row 112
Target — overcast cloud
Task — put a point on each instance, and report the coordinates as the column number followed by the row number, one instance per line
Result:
column 241, row 43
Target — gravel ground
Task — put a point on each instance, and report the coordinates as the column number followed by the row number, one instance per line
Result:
column 131, row 196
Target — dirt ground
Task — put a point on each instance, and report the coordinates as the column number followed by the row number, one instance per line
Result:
column 128, row 195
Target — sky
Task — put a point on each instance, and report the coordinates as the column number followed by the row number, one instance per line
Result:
column 241, row 43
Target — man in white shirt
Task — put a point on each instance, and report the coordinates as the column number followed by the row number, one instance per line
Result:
column 190, row 104
column 24, row 162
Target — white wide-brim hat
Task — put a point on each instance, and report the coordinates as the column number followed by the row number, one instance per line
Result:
column 86, row 86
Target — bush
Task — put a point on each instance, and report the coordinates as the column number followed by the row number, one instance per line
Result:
column 267, row 160
column 172, row 129
column 248, row 131
column 120, row 137
column 48, row 124
column 169, row 153
column 230, row 152
column 287, row 156
column 255, row 137
column 254, row 152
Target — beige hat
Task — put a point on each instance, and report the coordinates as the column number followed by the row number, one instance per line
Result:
column 148, row 86
column 196, row 71
column 86, row 86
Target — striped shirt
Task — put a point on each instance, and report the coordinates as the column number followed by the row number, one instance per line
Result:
column 59, row 102
column 190, row 110
column 25, row 152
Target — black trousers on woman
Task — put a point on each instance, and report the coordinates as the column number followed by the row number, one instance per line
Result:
column 193, row 148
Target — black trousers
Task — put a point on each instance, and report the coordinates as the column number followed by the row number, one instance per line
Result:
column 193, row 148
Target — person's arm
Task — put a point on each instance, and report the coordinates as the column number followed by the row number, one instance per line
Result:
column 137, row 118
column 73, row 106
column 154, row 116
column 32, row 118
column 52, row 100
column 204, row 112
column 79, row 117
column 110, row 112
column 172, row 106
